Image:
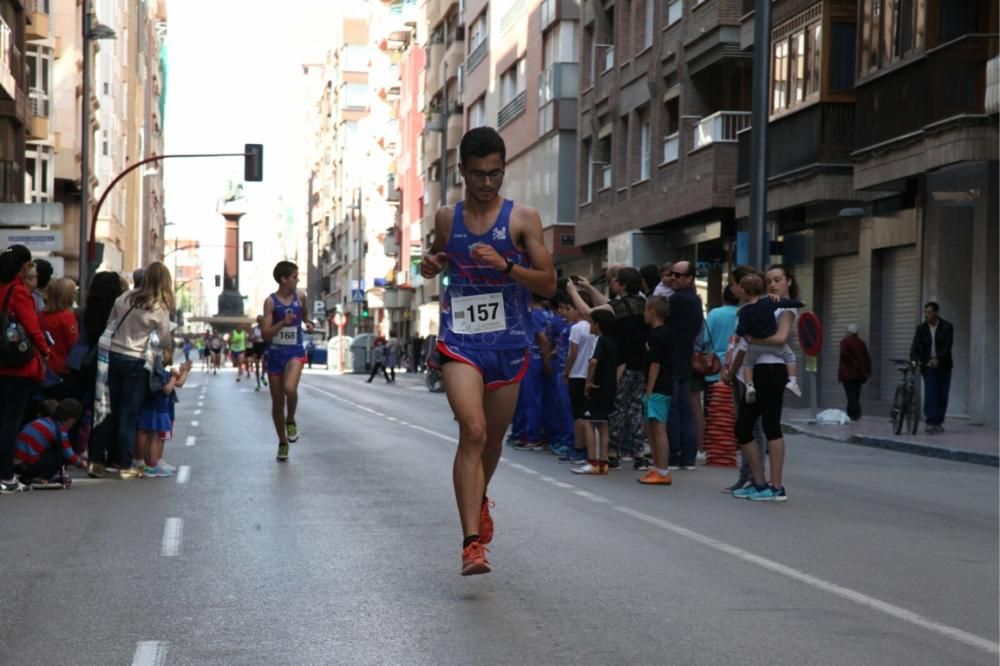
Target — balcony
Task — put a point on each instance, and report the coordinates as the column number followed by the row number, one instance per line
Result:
column 477, row 55
column 454, row 56
column 434, row 11
column 894, row 105
column 37, row 15
column 433, row 75
column 455, row 129
column 10, row 61
column 720, row 127
column 512, row 110
column 713, row 34
column 820, row 136
column 38, row 128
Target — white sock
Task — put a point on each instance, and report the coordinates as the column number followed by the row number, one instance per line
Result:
column 793, row 380
column 662, row 472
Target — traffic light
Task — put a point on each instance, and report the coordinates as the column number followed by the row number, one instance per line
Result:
column 253, row 162
column 364, row 310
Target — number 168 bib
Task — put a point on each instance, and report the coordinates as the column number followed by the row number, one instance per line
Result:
column 482, row 313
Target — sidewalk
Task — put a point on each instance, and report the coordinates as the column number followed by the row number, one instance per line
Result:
column 960, row 441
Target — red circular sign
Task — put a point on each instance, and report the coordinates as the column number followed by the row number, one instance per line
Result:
column 810, row 334
column 338, row 319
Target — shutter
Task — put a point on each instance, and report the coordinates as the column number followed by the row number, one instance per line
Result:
column 899, row 313
column 841, row 306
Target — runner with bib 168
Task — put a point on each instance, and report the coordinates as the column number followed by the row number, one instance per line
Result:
column 495, row 257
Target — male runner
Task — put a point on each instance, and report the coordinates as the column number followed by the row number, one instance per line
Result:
column 495, row 257
column 257, row 350
column 237, row 350
column 215, row 349
column 284, row 314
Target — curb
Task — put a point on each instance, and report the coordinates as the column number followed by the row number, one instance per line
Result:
column 927, row 450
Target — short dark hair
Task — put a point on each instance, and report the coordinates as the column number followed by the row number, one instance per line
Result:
column 753, row 284
column 605, row 320
column 482, row 142
column 137, row 277
column 631, row 280
column 728, row 297
column 560, row 298
column 12, row 260
column 44, row 270
column 660, row 307
column 68, row 409
column 742, row 271
column 650, row 275
column 933, row 306
column 283, row 269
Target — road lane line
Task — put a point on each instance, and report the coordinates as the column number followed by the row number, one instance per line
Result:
column 173, row 532
column 820, row 584
column 591, row 496
column 197, row 412
column 446, row 438
column 190, row 441
column 547, row 479
column 183, row 473
column 150, row 653
column 562, row 484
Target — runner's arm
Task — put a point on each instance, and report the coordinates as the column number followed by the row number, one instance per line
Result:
column 268, row 331
column 306, row 322
column 433, row 262
column 541, row 277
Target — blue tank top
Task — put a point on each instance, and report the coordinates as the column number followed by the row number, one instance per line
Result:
column 290, row 337
column 484, row 308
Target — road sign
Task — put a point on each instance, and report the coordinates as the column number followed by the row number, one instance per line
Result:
column 36, row 240
column 339, row 320
column 357, row 295
column 810, row 334
column 27, row 215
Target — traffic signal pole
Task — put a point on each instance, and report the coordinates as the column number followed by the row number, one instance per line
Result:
column 92, row 244
column 759, row 252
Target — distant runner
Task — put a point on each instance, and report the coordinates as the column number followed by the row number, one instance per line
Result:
column 258, row 351
column 284, row 315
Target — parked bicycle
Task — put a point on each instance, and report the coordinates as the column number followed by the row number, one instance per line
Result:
column 905, row 411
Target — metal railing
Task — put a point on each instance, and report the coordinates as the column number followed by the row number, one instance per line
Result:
column 512, row 110
column 39, row 102
column 720, row 127
column 477, row 55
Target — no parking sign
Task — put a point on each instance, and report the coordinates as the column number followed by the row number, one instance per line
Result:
column 810, row 338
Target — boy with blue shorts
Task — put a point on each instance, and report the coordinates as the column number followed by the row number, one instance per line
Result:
column 495, row 256
column 659, row 385
column 285, row 314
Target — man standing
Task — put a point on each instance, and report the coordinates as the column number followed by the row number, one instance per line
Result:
column 855, row 369
column 931, row 348
column 495, row 256
column 684, row 326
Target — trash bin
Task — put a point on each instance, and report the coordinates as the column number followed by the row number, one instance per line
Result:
column 361, row 348
column 333, row 354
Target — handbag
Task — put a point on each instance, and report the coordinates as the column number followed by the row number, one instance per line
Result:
column 705, row 363
column 16, row 348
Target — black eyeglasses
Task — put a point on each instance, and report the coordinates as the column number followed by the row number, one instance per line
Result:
column 677, row 275
column 483, row 175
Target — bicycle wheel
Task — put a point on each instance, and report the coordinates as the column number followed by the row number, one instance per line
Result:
column 899, row 409
column 912, row 411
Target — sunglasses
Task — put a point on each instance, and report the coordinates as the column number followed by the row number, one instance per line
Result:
column 678, row 275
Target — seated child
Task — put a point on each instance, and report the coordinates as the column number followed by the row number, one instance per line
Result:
column 757, row 320
column 43, row 445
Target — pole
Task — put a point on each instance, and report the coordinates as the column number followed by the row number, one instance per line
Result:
column 85, row 155
column 759, row 254
column 444, row 139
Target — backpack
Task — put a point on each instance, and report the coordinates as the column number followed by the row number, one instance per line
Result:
column 16, row 348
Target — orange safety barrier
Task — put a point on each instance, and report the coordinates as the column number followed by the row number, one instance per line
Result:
column 720, row 440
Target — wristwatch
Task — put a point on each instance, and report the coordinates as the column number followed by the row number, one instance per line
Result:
column 510, row 266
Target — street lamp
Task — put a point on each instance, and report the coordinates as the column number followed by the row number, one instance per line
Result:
column 91, row 32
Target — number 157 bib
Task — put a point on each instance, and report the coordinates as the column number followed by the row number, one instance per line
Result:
column 482, row 313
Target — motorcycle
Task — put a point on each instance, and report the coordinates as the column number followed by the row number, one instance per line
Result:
column 433, row 379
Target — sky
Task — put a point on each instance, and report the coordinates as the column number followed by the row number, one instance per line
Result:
column 235, row 76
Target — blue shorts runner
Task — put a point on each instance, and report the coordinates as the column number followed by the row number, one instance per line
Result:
column 499, row 367
column 278, row 358
column 655, row 407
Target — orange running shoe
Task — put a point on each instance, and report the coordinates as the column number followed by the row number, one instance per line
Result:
column 486, row 522
column 654, row 478
column 474, row 559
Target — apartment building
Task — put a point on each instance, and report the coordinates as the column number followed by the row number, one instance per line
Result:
column 884, row 197
column 349, row 185
column 15, row 114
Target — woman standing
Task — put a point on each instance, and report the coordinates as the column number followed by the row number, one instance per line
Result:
column 16, row 382
column 770, row 375
column 137, row 314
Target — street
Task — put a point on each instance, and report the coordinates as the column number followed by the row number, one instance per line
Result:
column 349, row 553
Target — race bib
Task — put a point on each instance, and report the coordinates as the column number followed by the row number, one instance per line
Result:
column 289, row 335
column 482, row 313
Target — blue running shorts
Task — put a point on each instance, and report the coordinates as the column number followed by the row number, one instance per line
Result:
column 499, row 367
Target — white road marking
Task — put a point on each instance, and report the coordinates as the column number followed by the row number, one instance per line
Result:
column 197, row 412
column 817, row 583
column 392, row 418
column 194, row 424
column 173, row 532
column 591, row 496
column 820, row 584
column 183, row 473
column 201, row 404
column 547, row 479
column 150, row 653
column 190, row 441
column 528, row 470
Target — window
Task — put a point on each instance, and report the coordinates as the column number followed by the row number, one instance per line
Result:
column 477, row 32
column 38, row 169
column 622, row 148
column 477, row 113
column 797, row 64
column 588, row 157
column 647, row 35
column 675, row 9
column 355, row 57
column 603, row 160
column 105, row 145
column 512, row 82
column 892, row 30
column 356, row 95
column 560, row 44
column 842, row 50
column 645, row 139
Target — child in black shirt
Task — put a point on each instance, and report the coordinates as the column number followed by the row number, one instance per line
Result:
column 756, row 320
column 602, row 377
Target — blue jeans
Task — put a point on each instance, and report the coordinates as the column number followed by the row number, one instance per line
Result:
column 937, row 384
column 681, row 430
column 128, row 382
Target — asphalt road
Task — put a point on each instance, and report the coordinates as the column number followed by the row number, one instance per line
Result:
column 349, row 553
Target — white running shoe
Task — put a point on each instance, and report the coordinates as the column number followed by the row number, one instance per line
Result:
column 793, row 388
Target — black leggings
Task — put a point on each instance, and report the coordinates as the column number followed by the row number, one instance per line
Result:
column 769, row 379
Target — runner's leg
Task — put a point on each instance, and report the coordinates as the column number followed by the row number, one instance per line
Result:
column 498, row 407
column 290, row 378
column 278, row 408
column 464, row 388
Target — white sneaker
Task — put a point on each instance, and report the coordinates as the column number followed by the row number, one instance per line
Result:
column 793, row 388
column 167, row 466
column 701, row 458
column 751, row 396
